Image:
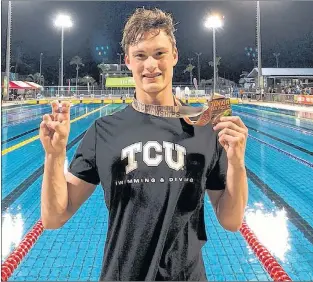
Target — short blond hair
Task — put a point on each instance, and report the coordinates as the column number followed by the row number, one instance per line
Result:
column 145, row 20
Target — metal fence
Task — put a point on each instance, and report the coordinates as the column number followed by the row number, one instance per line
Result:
column 108, row 94
column 54, row 91
column 294, row 99
column 94, row 93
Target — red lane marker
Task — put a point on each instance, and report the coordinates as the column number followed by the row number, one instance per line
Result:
column 273, row 268
column 15, row 258
column 271, row 265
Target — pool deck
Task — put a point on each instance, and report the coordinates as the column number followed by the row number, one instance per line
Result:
column 7, row 104
column 283, row 106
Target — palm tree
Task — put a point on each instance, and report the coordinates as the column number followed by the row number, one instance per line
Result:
column 73, row 80
column 78, row 62
column 104, row 68
column 35, row 78
column 88, row 80
column 30, row 77
column 189, row 69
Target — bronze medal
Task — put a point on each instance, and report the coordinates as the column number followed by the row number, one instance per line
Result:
column 211, row 111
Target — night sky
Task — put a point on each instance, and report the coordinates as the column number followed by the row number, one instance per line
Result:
column 286, row 28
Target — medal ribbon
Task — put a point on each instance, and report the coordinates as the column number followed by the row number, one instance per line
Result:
column 177, row 111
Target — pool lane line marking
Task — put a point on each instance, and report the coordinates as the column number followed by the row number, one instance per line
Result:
column 4, row 108
column 23, row 143
column 292, row 215
column 274, row 120
column 33, row 117
column 305, row 162
column 18, row 136
column 22, row 134
column 22, row 187
column 274, row 113
column 310, row 132
column 281, row 140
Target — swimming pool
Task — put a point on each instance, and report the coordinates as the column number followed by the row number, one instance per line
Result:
column 279, row 162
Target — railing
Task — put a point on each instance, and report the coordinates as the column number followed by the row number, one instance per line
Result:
column 294, row 99
column 108, row 94
column 85, row 93
column 57, row 91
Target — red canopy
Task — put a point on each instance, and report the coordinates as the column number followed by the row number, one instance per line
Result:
column 20, row 85
column 34, row 85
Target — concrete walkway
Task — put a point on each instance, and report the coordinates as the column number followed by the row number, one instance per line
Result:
column 299, row 108
column 6, row 104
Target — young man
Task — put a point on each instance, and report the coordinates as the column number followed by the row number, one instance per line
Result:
column 154, row 169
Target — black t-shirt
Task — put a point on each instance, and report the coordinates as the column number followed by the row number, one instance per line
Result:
column 154, row 172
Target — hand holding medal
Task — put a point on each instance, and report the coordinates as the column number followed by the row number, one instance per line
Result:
column 233, row 137
column 233, row 133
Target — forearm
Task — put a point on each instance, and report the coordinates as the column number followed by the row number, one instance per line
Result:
column 54, row 195
column 232, row 204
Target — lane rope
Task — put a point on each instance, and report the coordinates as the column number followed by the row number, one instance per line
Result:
column 16, row 257
column 273, row 268
column 276, row 123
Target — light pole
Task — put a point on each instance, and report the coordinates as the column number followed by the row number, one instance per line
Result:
column 276, row 55
column 258, row 28
column 59, row 64
column 40, row 64
column 120, row 55
column 102, row 81
column 62, row 21
column 190, row 73
column 198, row 55
column 8, row 53
column 214, row 22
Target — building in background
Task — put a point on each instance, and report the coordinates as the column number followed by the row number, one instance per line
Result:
column 279, row 78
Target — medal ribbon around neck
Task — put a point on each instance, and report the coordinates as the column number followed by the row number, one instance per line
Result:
column 178, row 111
